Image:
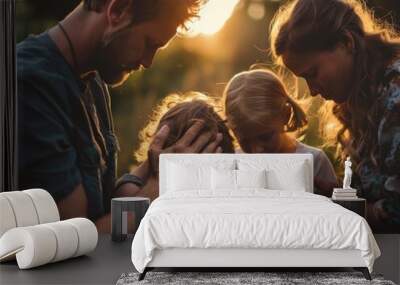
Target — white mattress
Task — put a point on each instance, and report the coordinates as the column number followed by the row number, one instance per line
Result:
column 256, row 219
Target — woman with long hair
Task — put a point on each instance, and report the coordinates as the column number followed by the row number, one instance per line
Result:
column 347, row 55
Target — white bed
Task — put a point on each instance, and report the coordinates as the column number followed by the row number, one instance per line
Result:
column 206, row 220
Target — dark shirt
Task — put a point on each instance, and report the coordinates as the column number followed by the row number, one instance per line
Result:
column 382, row 182
column 65, row 127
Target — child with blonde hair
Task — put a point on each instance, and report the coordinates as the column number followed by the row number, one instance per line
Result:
column 263, row 118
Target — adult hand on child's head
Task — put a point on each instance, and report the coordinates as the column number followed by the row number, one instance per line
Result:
column 190, row 142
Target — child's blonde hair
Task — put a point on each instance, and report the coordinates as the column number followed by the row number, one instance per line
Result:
column 259, row 98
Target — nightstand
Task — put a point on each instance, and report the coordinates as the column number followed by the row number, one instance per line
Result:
column 357, row 205
column 119, row 214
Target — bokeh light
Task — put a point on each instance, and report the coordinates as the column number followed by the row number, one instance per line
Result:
column 212, row 17
column 256, row 10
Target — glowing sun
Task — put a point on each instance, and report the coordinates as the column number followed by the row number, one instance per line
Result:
column 213, row 16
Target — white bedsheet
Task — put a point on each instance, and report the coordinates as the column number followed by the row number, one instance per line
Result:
column 250, row 219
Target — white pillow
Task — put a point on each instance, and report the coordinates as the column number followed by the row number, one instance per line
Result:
column 226, row 179
column 282, row 174
column 251, row 178
column 293, row 179
column 223, row 179
column 182, row 177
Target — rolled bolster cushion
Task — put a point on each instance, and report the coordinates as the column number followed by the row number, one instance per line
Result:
column 33, row 246
column 45, row 205
column 23, row 208
column 67, row 240
column 40, row 244
column 7, row 218
column 26, row 208
column 87, row 235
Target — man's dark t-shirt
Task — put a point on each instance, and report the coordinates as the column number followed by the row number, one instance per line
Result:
column 65, row 127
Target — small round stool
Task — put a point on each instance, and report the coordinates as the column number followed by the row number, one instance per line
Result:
column 119, row 214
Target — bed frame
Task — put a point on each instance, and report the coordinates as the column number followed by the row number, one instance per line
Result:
column 250, row 258
column 242, row 259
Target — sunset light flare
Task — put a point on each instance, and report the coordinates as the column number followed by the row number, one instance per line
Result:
column 213, row 16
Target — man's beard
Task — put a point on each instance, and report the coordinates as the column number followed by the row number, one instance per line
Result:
column 112, row 73
column 116, row 78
